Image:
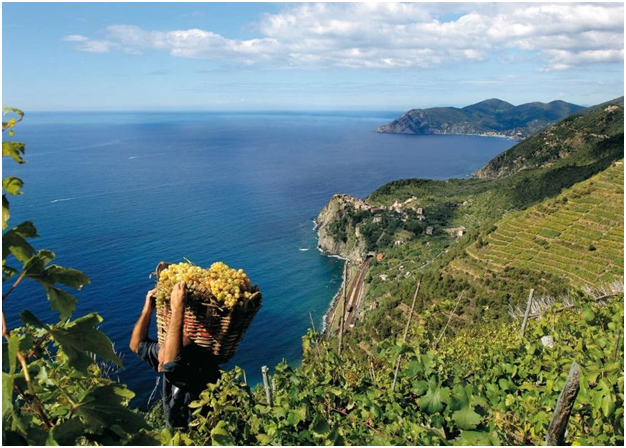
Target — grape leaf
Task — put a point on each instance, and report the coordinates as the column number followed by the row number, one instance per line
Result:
column 7, row 378
column 12, row 185
column 320, row 426
column 474, row 438
column 5, row 211
column 67, row 276
column 14, row 150
column 221, row 435
column 459, row 399
column 466, row 418
column 35, row 269
column 14, row 241
column 80, row 339
column 61, row 301
column 7, row 393
column 103, row 407
column 434, row 399
column 66, row 433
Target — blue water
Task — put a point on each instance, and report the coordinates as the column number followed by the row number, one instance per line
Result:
column 115, row 193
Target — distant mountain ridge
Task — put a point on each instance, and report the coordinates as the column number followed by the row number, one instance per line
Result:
column 490, row 117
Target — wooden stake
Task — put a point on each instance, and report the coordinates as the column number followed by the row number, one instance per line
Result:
column 408, row 322
column 312, row 322
column 266, row 385
column 528, row 306
column 406, row 333
column 449, row 319
column 617, row 341
column 558, row 425
column 245, row 379
column 343, row 307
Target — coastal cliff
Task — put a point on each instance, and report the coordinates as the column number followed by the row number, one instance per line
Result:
column 337, row 232
column 425, row 122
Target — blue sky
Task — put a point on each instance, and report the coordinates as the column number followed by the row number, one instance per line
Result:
column 262, row 56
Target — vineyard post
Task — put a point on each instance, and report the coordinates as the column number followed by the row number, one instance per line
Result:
column 617, row 341
column 563, row 409
column 527, row 313
column 443, row 332
column 406, row 332
column 312, row 322
column 343, row 307
column 245, row 379
column 266, row 385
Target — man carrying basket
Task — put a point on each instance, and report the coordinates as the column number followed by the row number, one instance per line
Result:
column 187, row 368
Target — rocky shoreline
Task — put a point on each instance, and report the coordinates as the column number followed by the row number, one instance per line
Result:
column 332, row 306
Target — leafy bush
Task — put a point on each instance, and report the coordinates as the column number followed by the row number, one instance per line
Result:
column 483, row 386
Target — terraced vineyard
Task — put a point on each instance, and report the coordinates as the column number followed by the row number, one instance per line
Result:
column 577, row 235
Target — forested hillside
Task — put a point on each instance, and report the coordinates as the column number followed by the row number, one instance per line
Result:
column 489, row 117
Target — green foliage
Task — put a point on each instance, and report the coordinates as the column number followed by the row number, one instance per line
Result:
column 53, row 392
column 581, row 139
column 483, row 386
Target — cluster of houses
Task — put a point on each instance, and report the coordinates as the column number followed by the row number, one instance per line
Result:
column 401, row 208
column 456, row 231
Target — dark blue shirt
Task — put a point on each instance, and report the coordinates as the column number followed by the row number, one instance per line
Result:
column 183, row 378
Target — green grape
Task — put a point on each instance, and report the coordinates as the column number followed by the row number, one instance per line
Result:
column 227, row 285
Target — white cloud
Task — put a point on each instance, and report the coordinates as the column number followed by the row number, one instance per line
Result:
column 385, row 35
column 96, row 46
column 564, row 60
column 75, row 38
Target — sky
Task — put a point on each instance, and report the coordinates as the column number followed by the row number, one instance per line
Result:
column 307, row 56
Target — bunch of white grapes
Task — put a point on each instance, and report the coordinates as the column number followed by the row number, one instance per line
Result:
column 227, row 285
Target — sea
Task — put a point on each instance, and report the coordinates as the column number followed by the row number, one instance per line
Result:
column 114, row 193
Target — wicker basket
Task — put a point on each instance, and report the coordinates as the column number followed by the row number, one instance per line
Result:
column 207, row 323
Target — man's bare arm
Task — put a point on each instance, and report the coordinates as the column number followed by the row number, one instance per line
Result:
column 140, row 332
column 174, row 337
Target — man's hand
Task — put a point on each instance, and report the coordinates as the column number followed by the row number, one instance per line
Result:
column 140, row 332
column 179, row 293
column 150, row 297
